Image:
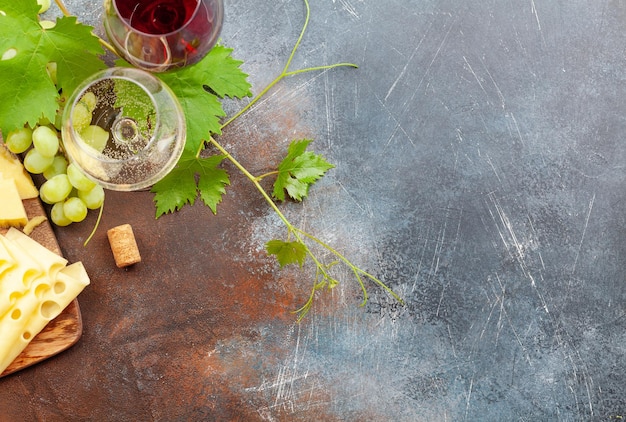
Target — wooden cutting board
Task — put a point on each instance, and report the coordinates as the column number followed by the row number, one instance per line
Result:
column 63, row 331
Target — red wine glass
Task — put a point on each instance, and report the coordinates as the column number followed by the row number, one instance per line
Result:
column 160, row 35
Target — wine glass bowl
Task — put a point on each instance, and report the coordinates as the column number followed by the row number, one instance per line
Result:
column 124, row 128
column 160, row 35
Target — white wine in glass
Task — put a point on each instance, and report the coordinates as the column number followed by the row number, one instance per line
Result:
column 124, row 128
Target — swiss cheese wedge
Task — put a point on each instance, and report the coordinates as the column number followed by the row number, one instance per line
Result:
column 12, row 168
column 35, row 286
column 12, row 212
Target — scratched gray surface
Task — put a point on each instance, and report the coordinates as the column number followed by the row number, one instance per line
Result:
column 480, row 172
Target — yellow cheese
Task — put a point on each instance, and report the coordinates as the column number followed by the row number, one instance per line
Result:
column 49, row 301
column 12, row 212
column 44, row 258
column 12, row 168
column 12, row 328
column 46, row 286
column 6, row 260
column 33, row 223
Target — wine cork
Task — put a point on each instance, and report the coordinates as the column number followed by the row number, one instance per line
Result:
column 123, row 245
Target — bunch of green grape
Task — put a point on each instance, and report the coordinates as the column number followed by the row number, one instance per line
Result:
column 66, row 187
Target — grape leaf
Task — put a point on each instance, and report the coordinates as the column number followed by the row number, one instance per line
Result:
column 75, row 49
column 222, row 73
column 28, row 92
column 298, row 171
column 199, row 89
column 287, row 252
column 190, row 177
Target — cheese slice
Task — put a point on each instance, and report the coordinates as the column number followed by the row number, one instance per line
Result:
column 12, row 168
column 12, row 212
column 44, row 259
column 46, row 286
column 6, row 260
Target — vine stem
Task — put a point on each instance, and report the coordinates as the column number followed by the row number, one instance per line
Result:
column 108, row 46
column 263, row 176
column 283, row 75
column 290, row 227
column 292, row 230
column 61, row 6
column 357, row 271
column 299, row 233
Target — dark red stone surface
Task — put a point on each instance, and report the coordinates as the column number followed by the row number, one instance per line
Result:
column 479, row 171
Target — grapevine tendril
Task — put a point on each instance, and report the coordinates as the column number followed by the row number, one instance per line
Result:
column 285, row 73
column 95, row 227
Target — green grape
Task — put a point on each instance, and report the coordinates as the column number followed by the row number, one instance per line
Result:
column 95, row 137
column 93, row 198
column 78, row 179
column 58, row 216
column 44, row 199
column 58, row 166
column 44, row 5
column 56, row 189
column 90, row 101
column 36, row 163
column 46, row 24
column 46, row 141
column 75, row 209
column 81, row 117
column 19, row 140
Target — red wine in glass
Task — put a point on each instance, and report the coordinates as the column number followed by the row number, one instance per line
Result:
column 160, row 35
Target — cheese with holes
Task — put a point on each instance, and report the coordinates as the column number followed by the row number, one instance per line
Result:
column 12, row 168
column 35, row 286
column 12, row 212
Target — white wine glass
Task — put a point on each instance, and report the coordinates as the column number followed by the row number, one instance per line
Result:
column 124, row 128
column 160, row 35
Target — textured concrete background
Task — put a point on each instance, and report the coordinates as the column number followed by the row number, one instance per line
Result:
column 480, row 173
